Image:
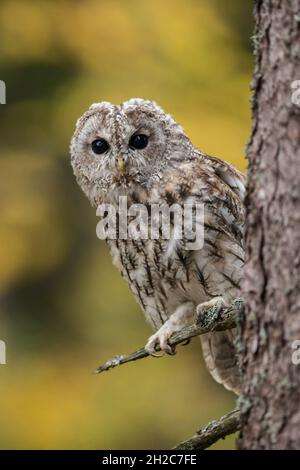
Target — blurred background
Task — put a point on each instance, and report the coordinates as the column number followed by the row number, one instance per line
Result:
column 64, row 308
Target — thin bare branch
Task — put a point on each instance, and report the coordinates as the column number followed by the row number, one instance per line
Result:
column 214, row 431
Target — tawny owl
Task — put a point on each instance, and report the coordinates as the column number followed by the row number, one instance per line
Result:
column 136, row 150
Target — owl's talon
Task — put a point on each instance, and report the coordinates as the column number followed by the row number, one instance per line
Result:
column 168, row 348
column 171, row 351
column 157, row 355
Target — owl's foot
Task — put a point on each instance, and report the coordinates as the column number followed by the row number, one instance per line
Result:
column 183, row 316
column 160, row 341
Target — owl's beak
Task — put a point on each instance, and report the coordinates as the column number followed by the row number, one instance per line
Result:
column 121, row 165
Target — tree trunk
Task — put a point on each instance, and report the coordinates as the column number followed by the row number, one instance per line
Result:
column 270, row 401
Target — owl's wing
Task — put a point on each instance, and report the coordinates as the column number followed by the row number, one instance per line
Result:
column 224, row 196
column 218, row 188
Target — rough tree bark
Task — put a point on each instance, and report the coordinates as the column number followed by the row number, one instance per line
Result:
column 270, row 402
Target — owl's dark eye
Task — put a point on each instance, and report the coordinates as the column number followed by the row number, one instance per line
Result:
column 138, row 141
column 100, row 146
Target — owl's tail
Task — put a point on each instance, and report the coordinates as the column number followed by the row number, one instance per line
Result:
column 220, row 357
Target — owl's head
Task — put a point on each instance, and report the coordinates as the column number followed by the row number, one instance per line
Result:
column 118, row 149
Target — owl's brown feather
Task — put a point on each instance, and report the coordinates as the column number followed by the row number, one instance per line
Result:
column 168, row 280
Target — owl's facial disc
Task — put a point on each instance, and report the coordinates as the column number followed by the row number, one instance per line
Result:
column 121, row 148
